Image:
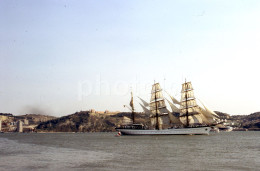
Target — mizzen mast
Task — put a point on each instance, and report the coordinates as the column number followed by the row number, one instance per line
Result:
column 132, row 108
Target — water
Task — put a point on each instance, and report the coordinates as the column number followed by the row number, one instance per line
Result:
column 104, row 151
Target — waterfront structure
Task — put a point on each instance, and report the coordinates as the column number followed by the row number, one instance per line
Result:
column 19, row 126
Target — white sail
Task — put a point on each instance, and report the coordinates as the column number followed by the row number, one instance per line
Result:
column 186, row 87
column 157, row 104
column 211, row 116
column 163, row 111
column 189, row 94
column 208, row 115
column 183, row 119
column 157, row 94
column 156, row 87
column 211, row 112
column 188, row 103
column 146, row 111
column 153, row 121
column 175, row 101
column 173, row 107
column 158, row 107
column 204, row 120
column 146, row 104
column 191, row 111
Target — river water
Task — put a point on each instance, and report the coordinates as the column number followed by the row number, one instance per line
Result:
column 104, row 151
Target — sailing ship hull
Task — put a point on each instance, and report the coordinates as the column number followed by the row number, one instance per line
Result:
column 171, row 131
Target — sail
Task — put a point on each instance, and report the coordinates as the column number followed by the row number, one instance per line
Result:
column 157, row 94
column 164, row 120
column 175, row 101
column 146, row 111
column 156, row 87
column 153, row 121
column 132, row 102
column 163, row 111
column 186, row 87
column 208, row 113
column 211, row 112
column 146, row 104
column 188, row 103
column 203, row 119
column 158, row 103
column 173, row 107
column 189, row 94
column 183, row 119
column 160, row 123
column 174, row 119
column 191, row 111
column 196, row 120
column 158, row 107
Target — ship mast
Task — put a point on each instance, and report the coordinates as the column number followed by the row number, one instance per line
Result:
column 156, row 109
column 186, row 103
column 132, row 108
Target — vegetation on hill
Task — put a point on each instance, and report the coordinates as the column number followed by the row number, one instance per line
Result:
column 248, row 121
column 86, row 122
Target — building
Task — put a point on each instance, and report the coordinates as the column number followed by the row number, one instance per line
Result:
column 19, row 126
column 26, row 122
column 0, row 125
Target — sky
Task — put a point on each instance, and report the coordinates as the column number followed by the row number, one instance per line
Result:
column 58, row 57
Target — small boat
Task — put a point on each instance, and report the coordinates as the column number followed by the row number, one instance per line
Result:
column 118, row 134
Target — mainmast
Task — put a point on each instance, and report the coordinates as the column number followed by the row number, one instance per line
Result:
column 156, row 109
column 186, row 105
column 189, row 107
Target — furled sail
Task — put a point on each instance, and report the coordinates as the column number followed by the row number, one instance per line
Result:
column 132, row 101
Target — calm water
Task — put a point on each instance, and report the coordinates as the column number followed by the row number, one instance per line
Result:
column 104, row 151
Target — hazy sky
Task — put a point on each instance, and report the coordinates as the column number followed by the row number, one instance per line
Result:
column 59, row 57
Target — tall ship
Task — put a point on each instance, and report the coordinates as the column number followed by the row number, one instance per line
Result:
column 187, row 119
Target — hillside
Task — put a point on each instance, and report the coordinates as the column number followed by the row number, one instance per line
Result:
column 251, row 121
column 84, row 122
